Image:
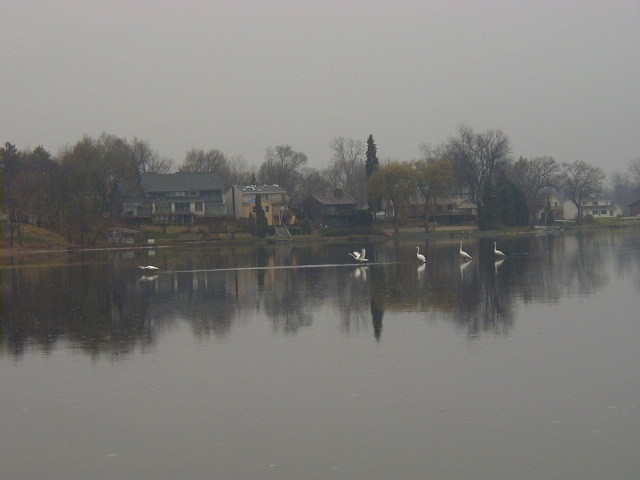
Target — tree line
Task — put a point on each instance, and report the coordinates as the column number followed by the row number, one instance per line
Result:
column 79, row 192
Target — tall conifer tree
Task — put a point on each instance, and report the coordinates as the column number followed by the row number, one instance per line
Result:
column 261, row 219
column 371, row 164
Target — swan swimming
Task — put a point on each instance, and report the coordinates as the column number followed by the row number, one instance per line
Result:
column 465, row 256
column 420, row 257
column 148, row 268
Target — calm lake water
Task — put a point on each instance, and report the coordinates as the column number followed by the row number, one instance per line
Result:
column 291, row 362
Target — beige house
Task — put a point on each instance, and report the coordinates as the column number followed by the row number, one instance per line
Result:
column 241, row 202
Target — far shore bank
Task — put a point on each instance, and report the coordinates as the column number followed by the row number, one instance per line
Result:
column 384, row 234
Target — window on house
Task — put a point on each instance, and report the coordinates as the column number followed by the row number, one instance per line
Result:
column 182, row 207
column 193, row 193
column 266, row 209
column 161, row 208
column 199, row 206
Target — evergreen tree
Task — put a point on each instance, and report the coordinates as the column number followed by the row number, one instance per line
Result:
column 261, row 219
column 488, row 208
column 549, row 216
column 371, row 164
column 513, row 204
column 503, row 204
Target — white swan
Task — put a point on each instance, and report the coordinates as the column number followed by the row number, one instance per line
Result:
column 497, row 252
column 465, row 256
column 360, row 256
column 420, row 257
column 148, row 268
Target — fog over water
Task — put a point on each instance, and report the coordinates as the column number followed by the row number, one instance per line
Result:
column 558, row 78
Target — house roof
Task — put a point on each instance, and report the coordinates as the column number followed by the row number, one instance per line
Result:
column 634, row 203
column 597, row 202
column 333, row 199
column 261, row 189
column 180, row 181
column 466, row 204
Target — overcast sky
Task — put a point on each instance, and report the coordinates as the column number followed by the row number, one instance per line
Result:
column 559, row 78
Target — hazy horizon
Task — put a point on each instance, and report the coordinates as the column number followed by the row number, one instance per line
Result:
column 558, row 78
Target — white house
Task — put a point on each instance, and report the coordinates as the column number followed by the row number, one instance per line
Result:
column 594, row 206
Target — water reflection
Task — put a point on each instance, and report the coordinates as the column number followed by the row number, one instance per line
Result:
column 102, row 304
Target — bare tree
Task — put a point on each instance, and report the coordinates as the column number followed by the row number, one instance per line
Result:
column 532, row 177
column 232, row 171
column 622, row 188
column 432, row 154
column 475, row 157
column 282, row 166
column 147, row 160
column 142, row 154
column 634, row 172
column 313, row 181
column 238, row 171
column 92, row 172
column 197, row 160
column 347, row 170
column 579, row 180
column 159, row 165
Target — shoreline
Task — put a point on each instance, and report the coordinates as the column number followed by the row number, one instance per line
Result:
column 387, row 234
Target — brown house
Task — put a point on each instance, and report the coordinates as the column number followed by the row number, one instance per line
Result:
column 335, row 209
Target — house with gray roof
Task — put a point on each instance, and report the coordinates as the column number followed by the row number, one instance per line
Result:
column 334, row 209
column 176, row 198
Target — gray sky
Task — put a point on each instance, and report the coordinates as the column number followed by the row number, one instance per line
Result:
column 559, row 78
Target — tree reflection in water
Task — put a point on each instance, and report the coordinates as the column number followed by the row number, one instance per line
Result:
column 101, row 304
